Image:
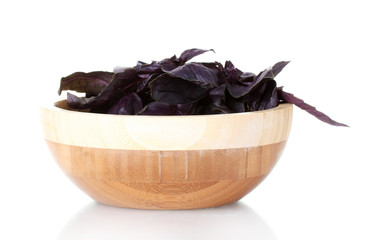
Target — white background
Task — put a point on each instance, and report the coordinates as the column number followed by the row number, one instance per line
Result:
column 316, row 191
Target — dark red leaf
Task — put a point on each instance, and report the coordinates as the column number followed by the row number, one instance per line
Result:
column 238, row 90
column 246, row 78
column 172, row 90
column 154, row 67
column 290, row 98
column 120, row 83
column 191, row 53
column 92, row 82
column 218, row 95
column 129, row 104
column 142, row 86
column 148, row 68
column 271, row 72
column 236, row 105
column 186, row 109
column 196, row 72
column 232, row 73
column 264, row 96
column 159, row 108
column 79, row 102
column 242, row 88
column 276, row 69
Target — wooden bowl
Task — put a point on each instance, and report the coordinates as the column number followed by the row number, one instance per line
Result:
column 166, row 162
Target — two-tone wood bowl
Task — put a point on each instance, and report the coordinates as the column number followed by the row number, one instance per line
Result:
column 166, row 162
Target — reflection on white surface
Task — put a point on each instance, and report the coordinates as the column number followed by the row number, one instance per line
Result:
column 234, row 221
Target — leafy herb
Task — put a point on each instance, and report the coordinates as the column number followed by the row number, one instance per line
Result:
column 290, row 98
column 174, row 86
column 93, row 82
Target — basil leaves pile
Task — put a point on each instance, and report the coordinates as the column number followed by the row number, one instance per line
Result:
column 175, row 86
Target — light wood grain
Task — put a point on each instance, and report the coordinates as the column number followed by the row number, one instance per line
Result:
column 151, row 179
column 166, row 132
column 166, row 162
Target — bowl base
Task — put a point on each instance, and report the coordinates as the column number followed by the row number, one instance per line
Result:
column 148, row 179
column 167, row 196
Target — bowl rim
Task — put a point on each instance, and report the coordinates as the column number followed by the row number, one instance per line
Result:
column 54, row 107
column 191, row 132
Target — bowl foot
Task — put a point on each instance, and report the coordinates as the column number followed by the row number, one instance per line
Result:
column 167, row 196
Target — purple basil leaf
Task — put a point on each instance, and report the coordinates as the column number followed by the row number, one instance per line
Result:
column 169, row 64
column 144, row 84
column 92, row 82
column 148, row 68
column 212, row 109
column 271, row 72
column 144, row 75
column 186, row 109
column 276, row 69
column 252, row 100
column 270, row 97
column 265, row 96
column 119, row 69
column 139, row 63
column 235, row 105
column 244, row 86
column 261, row 96
column 191, row 53
column 233, row 74
column 130, row 104
column 197, row 73
column 238, row 90
column 159, row 108
column 172, row 90
column 218, row 92
column 290, row 98
column 217, row 95
column 266, row 74
column 121, row 82
column 246, row 78
column 79, row 102
column 217, row 68
column 229, row 67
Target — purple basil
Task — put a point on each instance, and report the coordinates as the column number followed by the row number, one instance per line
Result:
column 92, row 82
column 162, row 108
column 196, row 72
column 121, row 83
column 175, row 86
column 191, row 53
column 290, row 98
column 129, row 104
column 159, row 108
column 174, row 90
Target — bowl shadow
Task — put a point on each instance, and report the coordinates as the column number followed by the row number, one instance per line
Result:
column 233, row 221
